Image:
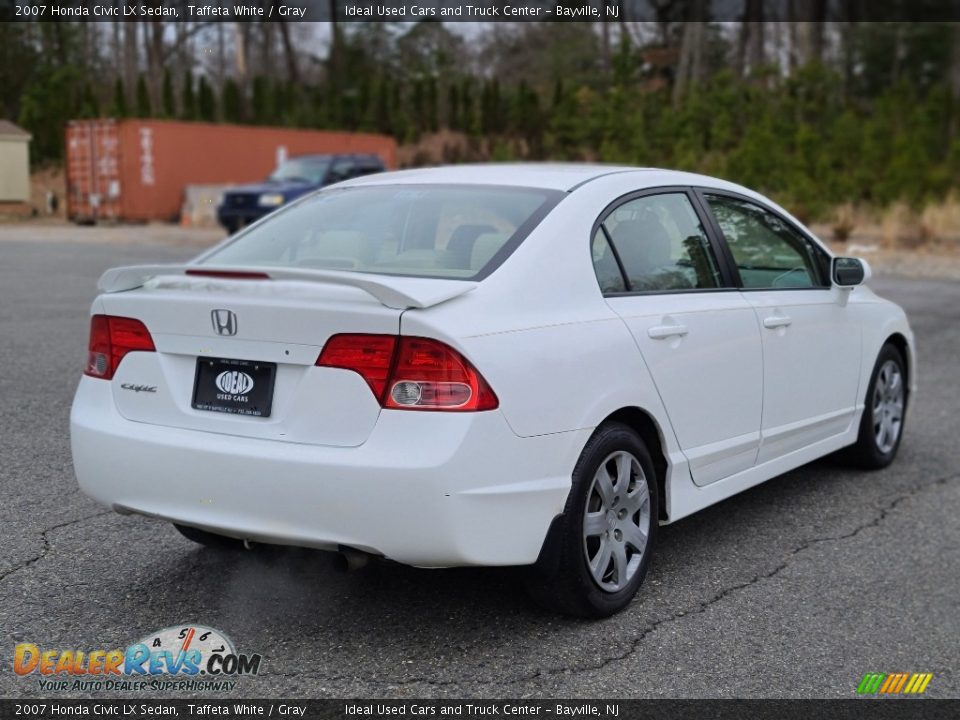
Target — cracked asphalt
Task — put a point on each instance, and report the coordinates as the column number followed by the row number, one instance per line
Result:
column 793, row 589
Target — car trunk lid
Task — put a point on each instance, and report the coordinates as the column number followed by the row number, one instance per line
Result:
column 272, row 330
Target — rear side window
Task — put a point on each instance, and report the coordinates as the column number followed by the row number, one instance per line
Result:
column 662, row 245
column 418, row 230
column 768, row 252
column 605, row 264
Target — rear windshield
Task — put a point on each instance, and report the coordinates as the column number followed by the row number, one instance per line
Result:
column 462, row 232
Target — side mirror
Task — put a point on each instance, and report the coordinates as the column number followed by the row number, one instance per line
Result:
column 847, row 272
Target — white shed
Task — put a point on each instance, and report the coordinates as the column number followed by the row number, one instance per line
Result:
column 14, row 164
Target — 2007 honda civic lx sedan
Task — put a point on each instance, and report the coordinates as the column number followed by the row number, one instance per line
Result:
column 487, row 365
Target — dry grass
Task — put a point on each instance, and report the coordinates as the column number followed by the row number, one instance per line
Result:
column 934, row 229
column 844, row 222
column 942, row 221
column 901, row 227
column 447, row 147
column 439, row 148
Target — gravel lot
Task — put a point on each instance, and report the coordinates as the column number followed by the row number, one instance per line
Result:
column 793, row 589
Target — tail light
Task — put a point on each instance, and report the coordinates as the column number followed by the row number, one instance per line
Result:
column 411, row 373
column 110, row 339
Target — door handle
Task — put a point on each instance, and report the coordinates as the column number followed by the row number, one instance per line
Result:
column 664, row 331
column 777, row 321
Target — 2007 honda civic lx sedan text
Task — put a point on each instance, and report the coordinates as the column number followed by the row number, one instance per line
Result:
column 487, row 365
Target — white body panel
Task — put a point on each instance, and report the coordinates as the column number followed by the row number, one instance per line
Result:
column 734, row 402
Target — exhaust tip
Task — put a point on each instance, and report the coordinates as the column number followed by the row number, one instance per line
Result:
column 349, row 559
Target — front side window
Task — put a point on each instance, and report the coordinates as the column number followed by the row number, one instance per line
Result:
column 767, row 251
column 662, row 245
column 418, row 230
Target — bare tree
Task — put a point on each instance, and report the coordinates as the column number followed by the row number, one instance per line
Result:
column 153, row 32
column 690, row 66
column 750, row 44
column 241, row 34
column 131, row 57
column 808, row 21
column 290, row 53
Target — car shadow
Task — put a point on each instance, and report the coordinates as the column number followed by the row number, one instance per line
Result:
column 294, row 594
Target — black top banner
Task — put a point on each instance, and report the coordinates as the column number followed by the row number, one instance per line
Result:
column 612, row 11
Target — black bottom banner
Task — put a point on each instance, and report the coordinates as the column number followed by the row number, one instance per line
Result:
column 420, row 709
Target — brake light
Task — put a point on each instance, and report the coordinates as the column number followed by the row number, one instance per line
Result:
column 229, row 274
column 411, row 373
column 368, row 355
column 110, row 339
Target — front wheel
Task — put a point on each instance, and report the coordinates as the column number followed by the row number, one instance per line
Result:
column 598, row 551
column 883, row 415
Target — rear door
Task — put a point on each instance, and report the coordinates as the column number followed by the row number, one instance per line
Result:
column 698, row 336
column 811, row 343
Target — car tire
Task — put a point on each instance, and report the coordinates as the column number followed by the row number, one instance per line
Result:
column 209, row 539
column 590, row 565
column 884, row 413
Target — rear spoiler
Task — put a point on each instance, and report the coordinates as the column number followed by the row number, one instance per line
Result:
column 393, row 292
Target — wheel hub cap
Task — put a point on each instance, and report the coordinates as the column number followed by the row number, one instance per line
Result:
column 888, row 402
column 616, row 521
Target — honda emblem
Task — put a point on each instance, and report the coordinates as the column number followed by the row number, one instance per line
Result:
column 224, row 322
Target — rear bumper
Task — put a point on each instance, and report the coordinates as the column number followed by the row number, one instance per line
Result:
column 426, row 489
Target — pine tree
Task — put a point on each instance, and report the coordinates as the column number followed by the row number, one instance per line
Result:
column 169, row 104
column 143, row 98
column 432, row 118
column 383, row 120
column 468, row 115
column 419, row 106
column 259, row 101
column 232, row 102
column 454, row 119
column 188, row 104
column 206, row 101
column 89, row 106
column 118, row 106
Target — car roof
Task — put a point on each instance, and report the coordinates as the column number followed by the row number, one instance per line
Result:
column 550, row 176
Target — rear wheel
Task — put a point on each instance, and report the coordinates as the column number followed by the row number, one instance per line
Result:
column 208, row 538
column 881, row 426
column 598, row 551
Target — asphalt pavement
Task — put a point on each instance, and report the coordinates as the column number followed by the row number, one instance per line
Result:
column 793, row 589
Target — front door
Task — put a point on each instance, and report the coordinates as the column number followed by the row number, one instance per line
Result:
column 811, row 345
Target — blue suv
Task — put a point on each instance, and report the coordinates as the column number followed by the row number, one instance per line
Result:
column 295, row 177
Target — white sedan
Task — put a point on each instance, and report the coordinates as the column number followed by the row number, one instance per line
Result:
column 488, row 365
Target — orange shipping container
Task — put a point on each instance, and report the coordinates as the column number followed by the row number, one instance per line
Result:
column 138, row 169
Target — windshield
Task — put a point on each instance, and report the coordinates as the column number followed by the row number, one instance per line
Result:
column 311, row 170
column 419, row 230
